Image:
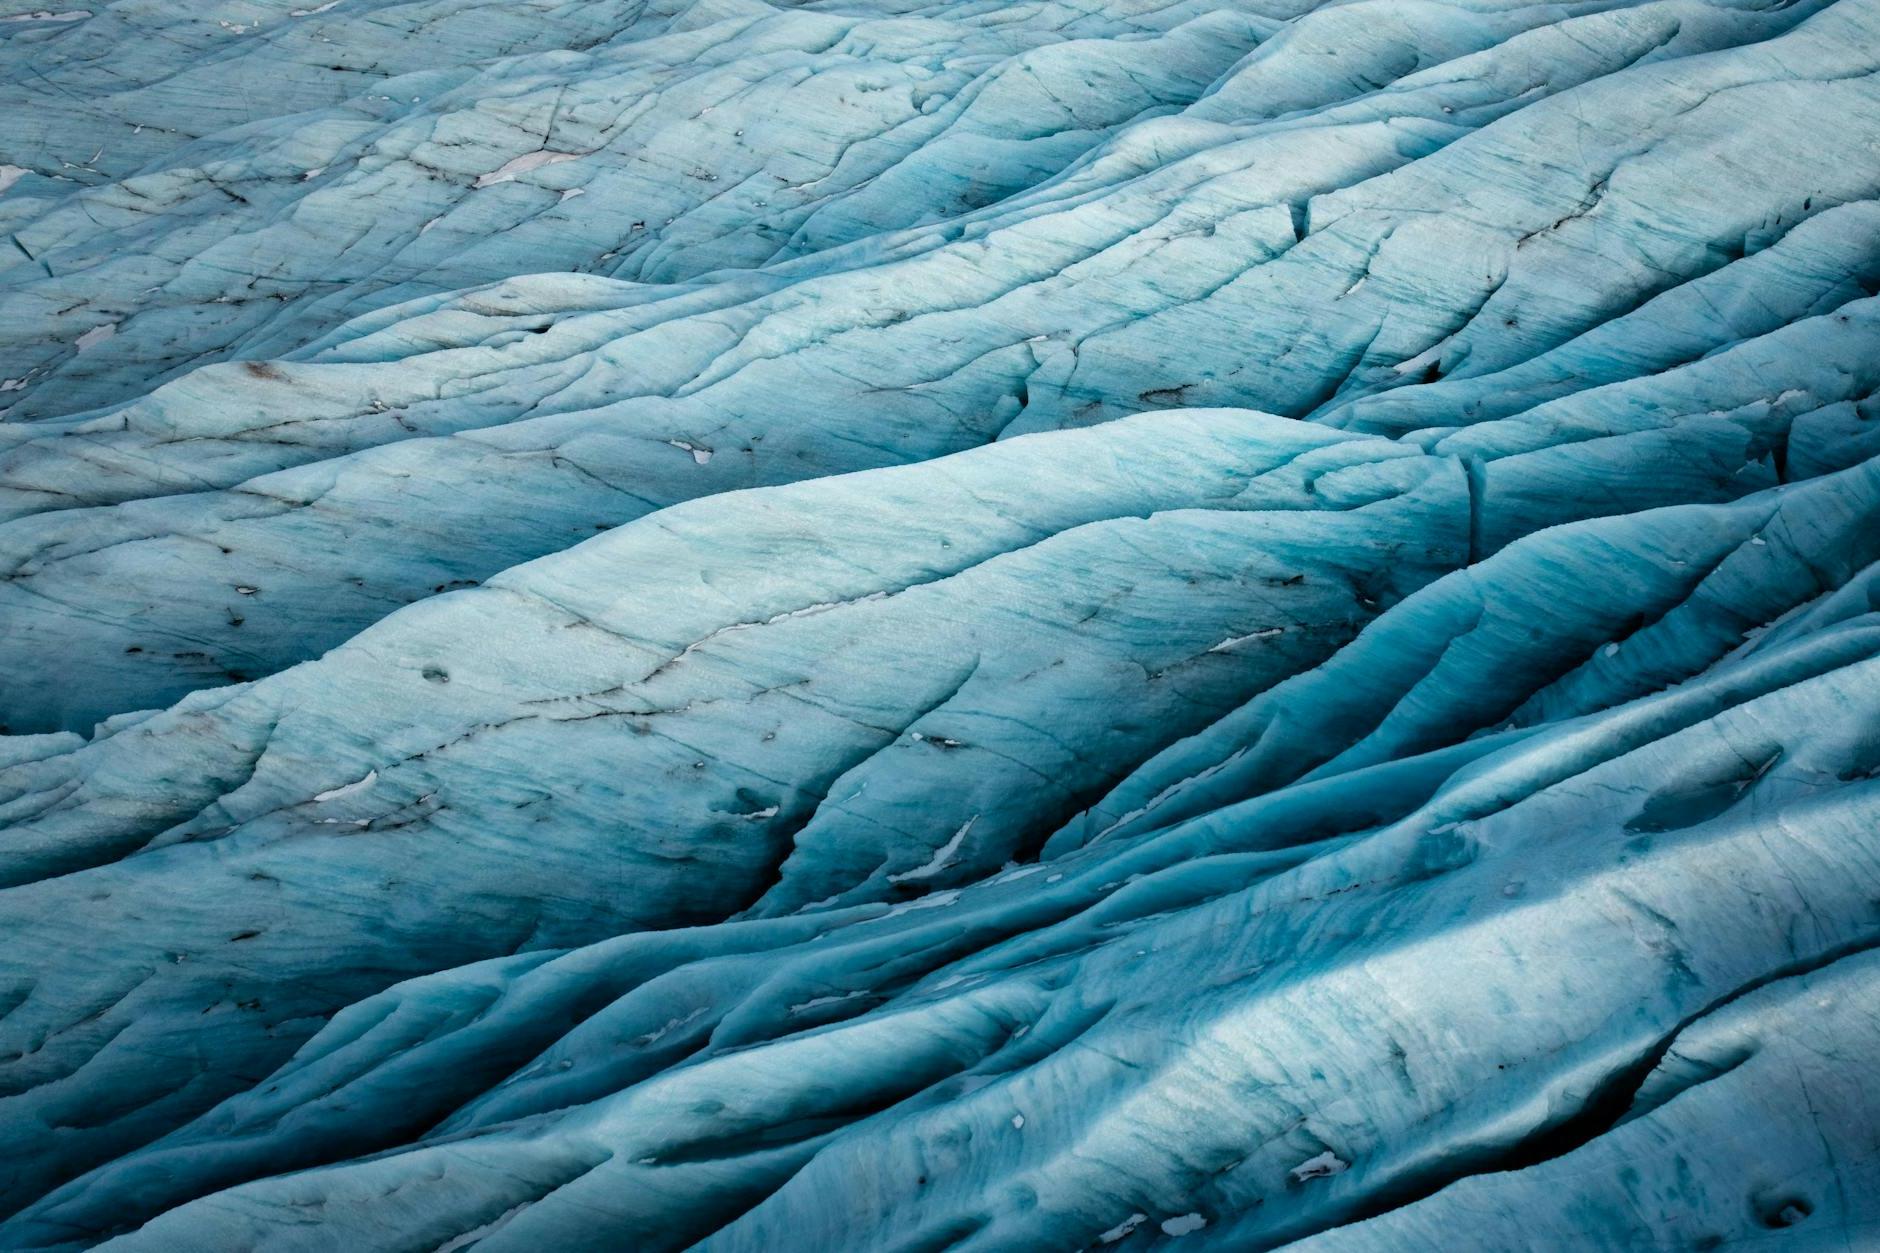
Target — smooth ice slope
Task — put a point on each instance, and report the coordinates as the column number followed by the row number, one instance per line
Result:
column 939, row 626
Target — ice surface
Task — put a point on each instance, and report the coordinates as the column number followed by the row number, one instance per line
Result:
column 893, row 625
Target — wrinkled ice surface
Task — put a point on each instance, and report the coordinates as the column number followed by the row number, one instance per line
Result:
column 637, row 624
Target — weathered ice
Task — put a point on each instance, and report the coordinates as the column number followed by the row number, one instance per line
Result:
column 886, row 624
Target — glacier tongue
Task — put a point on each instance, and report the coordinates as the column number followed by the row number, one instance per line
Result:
column 900, row 625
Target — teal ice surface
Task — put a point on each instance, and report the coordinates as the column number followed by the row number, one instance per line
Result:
column 939, row 626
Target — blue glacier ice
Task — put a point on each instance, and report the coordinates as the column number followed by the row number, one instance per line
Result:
column 876, row 624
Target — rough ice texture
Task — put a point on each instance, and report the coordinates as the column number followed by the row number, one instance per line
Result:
column 634, row 624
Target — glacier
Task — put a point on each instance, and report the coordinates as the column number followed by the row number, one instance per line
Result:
column 880, row 624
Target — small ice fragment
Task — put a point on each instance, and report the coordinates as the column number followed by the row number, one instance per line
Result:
column 1610, row 650
column 11, row 174
column 1018, row 1122
column 1122, row 1229
column 1183, row 1225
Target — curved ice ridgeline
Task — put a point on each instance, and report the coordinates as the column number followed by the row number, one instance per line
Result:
column 639, row 624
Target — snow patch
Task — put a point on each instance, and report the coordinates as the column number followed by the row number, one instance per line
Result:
column 468, row 1238
column 819, row 1001
column 510, row 169
column 942, row 858
column 672, row 1025
column 937, row 900
column 1122, row 1229
column 1236, row 641
column 96, row 335
column 1324, row 1165
column 351, row 789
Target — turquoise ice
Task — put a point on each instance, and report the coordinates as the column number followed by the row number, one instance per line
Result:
column 926, row 626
